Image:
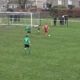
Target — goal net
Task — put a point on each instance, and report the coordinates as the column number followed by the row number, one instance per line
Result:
column 20, row 18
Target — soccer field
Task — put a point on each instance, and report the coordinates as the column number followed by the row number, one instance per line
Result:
column 52, row 58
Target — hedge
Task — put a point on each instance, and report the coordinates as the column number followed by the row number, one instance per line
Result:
column 70, row 12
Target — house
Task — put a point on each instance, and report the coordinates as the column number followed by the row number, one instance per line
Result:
column 29, row 4
column 3, row 5
column 38, row 4
column 67, row 3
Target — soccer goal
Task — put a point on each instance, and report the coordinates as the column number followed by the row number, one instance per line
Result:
column 20, row 18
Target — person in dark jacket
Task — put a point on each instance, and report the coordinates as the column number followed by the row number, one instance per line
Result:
column 55, row 20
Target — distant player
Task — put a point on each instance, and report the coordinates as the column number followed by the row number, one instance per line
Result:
column 27, row 44
column 28, row 30
column 66, row 19
column 46, row 30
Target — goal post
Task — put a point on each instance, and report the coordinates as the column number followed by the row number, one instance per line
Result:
column 35, row 19
column 20, row 18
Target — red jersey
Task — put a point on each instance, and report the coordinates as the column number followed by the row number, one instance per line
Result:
column 46, row 27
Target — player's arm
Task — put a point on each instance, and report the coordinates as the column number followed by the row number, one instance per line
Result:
column 30, row 29
column 43, row 27
column 48, row 27
column 29, row 42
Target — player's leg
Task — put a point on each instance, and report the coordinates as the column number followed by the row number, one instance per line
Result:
column 24, row 50
column 29, row 33
column 46, row 33
column 28, row 47
column 28, row 51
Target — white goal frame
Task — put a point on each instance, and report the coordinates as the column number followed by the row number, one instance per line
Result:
column 29, row 18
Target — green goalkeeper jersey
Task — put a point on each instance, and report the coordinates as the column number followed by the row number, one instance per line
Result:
column 26, row 40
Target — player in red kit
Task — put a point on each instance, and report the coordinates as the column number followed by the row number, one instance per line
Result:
column 46, row 30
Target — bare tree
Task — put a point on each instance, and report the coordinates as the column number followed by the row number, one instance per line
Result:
column 22, row 3
column 28, row 3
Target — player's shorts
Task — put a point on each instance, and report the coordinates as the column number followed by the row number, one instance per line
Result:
column 28, row 31
column 26, row 45
column 46, row 30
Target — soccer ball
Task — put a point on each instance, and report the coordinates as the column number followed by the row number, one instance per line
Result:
column 49, row 35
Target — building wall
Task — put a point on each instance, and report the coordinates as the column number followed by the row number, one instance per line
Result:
column 55, row 2
column 42, row 3
column 3, row 5
column 75, row 3
column 66, row 3
column 39, row 4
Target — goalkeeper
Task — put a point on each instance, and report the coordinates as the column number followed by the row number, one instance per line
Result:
column 38, row 29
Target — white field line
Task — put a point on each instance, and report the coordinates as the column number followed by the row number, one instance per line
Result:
column 47, row 20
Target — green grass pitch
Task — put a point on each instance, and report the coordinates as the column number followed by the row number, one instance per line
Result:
column 52, row 58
